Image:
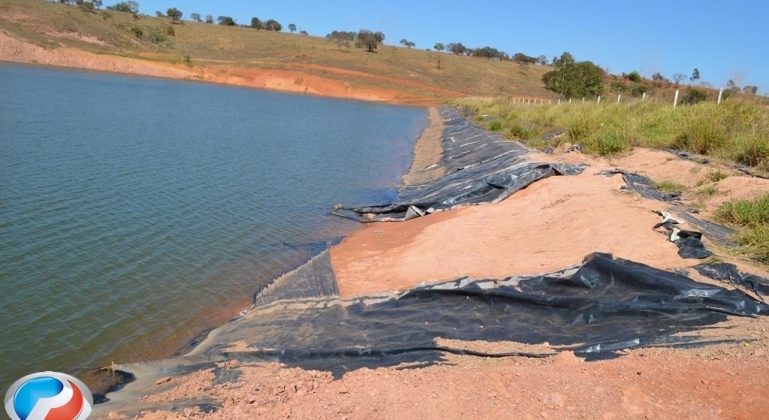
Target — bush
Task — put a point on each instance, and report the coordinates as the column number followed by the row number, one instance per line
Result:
column 137, row 31
column 693, row 96
column 170, row 31
column 634, row 77
column 495, row 125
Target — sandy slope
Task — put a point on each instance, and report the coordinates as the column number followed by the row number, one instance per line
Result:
column 18, row 51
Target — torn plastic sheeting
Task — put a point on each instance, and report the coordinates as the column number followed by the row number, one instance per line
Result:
column 729, row 273
column 642, row 185
column 481, row 167
column 605, row 301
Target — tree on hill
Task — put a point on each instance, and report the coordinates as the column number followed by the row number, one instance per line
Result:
column 256, row 23
column 369, row 40
column 195, row 17
column 542, row 60
column 678, row 77
column 303, row 32
column 750, row 90
column 226, row 21
column 273, row 25
column 292, row 27
column 159, row 14
column 695, row 75
column 522, row 58
column 125, row 6
column 566, row 59
column 582, row 79
column 406, row 43
column 175, row 14
column 457, row 48
column 439, row 47
column 659, row 78
column 209, row 18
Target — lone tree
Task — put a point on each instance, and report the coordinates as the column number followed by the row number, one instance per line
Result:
column 209, row 18
column 175, row 14
column 226, row 21
column 256, row 23
column 195, row 17
column 369, row 40
column 578, row 79
column 303, row 32
column 292, row 27
column 406, row 43
column 273, row 25
column 678, row 77
column 695, row 75
column 439, row 47
column 457, row 48
column 542, row 60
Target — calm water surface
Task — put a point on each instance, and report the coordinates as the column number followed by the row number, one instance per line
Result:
column 134, row 213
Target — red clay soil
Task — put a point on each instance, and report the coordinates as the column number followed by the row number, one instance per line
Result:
column 717, row 383
column 298, row 81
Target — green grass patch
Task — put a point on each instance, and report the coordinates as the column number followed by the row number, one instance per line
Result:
column 669, row 186
column 717, row 175
column 751, row 218
column 708, row 191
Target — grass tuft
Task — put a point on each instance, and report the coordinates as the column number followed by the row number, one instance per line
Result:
column 669, row 186
column 751, row 217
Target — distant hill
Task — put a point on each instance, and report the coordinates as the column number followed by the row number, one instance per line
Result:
column 57, row 34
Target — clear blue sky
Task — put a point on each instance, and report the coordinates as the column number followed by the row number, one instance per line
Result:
column 723, row 39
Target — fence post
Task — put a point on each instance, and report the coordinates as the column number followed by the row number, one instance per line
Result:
column 720, row 92
column 583, row 100
column 548, row 101
column 643, row 98
column 675, row 100
column 559, row 101
column 569, row 101
column 598, row 101
column 619, row 98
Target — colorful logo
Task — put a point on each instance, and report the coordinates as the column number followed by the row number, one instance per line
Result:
column 48, row 396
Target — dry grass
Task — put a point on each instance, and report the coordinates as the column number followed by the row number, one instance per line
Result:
column 51, row 24
column 736, row 130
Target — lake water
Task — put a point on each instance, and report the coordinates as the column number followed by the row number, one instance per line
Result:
column 136, row 212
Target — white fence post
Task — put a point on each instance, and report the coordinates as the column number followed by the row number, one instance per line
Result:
column 569, row 101
column 720, row 92
column 643, row 98
column 559, row 101
column 548, row 101
column 598, row 101
column 583, row 100
column 675, row 100
column 619, row 98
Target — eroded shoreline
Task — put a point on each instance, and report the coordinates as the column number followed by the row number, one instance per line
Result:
column 13, row 50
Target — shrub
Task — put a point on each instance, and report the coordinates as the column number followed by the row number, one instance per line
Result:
column 693, row 96
column 170, row 31
column 137, row 31
column 717, row 176
column 634, row 77
column 495, row 125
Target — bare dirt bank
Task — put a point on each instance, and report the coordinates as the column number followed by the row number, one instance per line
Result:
column 18, row 51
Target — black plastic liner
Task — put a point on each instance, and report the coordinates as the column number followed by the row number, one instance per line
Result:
column 729, row 273
column 480, row 167
column 596, row 309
